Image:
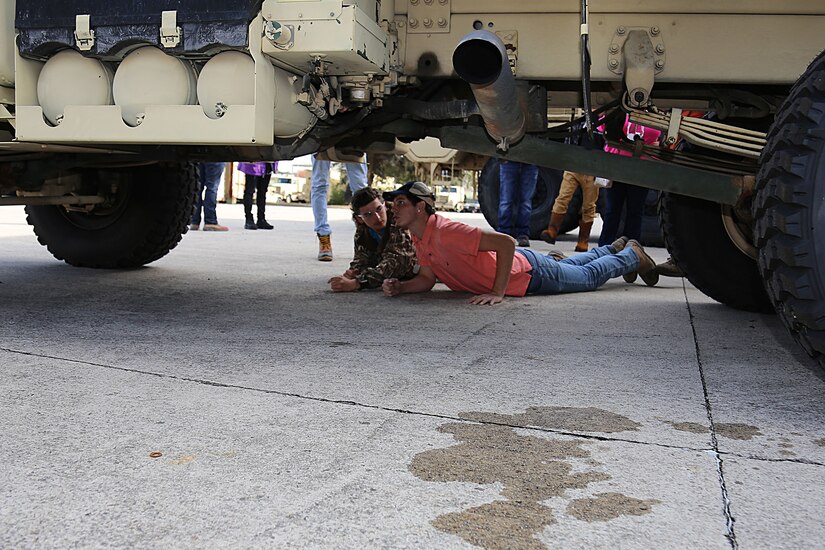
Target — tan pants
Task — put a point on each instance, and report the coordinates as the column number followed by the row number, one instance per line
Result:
column 590, row 194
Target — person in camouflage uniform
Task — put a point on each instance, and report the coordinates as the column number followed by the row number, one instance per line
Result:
column 382, row 250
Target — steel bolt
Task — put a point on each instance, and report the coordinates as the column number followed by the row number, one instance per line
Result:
column 442, row 2
column 414, row 2
column 428, row 2
column 639, row 96
column 621, row 30
column 660, row 49
column 442, row 22
column 428, row 22
column 614, row 63
column 401, row 24
column 614, row 48
column 660, row 64
column 413, row 22
column 654, row 31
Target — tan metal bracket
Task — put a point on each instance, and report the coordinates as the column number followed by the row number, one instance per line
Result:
column 169, row 30
column 637, row 53
column 428, row 16
column 84, row 36
column 510, row 39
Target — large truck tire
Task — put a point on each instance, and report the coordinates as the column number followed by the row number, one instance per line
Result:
column 547, row 189
column 789, row 211
column 695, row 235
column 149, row 212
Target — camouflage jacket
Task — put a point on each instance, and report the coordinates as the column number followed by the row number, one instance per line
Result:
column 392, row 257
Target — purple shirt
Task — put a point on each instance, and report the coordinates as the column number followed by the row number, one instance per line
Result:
column 257, row 168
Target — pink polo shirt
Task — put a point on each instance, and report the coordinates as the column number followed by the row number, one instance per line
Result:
column 450, row 249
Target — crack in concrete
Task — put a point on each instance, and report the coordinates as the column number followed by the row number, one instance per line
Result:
column 730, row 520
column 563, row 432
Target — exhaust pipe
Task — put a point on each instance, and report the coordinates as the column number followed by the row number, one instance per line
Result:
column 481, row 59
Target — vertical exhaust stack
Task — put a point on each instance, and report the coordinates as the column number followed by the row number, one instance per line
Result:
column 480, row 58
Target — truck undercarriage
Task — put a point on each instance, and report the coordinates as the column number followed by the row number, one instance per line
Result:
column 99, row 99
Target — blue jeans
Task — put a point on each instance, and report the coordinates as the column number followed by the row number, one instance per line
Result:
column 619, row 195
column 357, row 176
column 585, row 271
column 517, row 183
column 209, row 178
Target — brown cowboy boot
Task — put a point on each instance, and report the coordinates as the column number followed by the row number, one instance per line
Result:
column 549, row 235
column 584, row 236
column 647, row 267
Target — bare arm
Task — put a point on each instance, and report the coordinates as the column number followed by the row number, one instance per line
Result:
column 505, row 247
column 423, row 282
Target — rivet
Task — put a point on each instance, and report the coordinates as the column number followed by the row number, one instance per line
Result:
column 660, row 48
column 614, row 48
column 442, row 22
column 614, row 63
column 654, row 31
column 428, row 22
column 621, row 30
column 660, row 64
column 413, row 22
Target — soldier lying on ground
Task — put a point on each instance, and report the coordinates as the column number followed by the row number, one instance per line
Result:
column 489, row 265
column 382, row 250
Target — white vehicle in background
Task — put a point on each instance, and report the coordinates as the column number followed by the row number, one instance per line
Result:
column 104, row 106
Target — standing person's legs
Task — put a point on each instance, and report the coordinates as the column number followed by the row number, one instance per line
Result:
column 248, row 191
column 357, row 175
column 636, row 197
column 212, row 172
column 508, row 180
column 590, row 194
column 261, row 186
column 562, row 203
column 318, row 196
column 552, row 277
column 615, row 202
column 527, row 186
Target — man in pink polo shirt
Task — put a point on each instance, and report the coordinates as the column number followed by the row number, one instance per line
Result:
column 489, row 265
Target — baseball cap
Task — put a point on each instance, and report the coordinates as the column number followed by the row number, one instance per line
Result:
column 413, row 188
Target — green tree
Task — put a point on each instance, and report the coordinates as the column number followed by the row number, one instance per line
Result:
column 392, row 166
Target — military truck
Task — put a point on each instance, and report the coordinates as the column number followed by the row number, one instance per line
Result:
column 107, row 105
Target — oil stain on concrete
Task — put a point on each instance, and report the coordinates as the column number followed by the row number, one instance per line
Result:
column 692, row 427
column 607, row 506
column 729, row 430
column 530, row 470
column 742, row 432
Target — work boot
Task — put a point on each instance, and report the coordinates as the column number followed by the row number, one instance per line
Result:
column 524, row 241
column 262, row 224
column 647, row 266
column 214, row 227
column 669, row 269
column 549, row 235
column 194, row 227
column 250, row 224
column 584, row 236
column 324, row 248
column 619, row 244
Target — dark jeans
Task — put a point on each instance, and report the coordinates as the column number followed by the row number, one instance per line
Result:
column 209, row 178
column 619, row 195
column 252, row 183
column 517, row 183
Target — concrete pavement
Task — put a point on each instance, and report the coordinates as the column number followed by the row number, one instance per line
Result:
column 289, row 416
